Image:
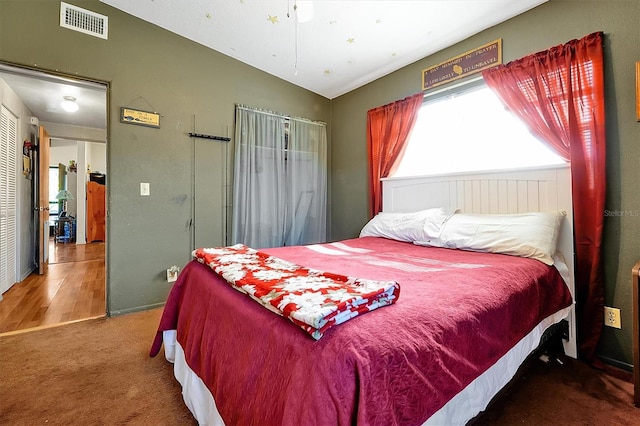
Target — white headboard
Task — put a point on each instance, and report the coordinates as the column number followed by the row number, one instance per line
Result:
column 519, row 191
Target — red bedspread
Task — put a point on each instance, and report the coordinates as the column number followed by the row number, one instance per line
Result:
column 459, row 313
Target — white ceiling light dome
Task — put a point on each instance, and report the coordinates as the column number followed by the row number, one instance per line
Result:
column 69, row 104
column 303, row 10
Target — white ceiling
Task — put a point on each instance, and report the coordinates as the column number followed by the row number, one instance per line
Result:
column 43, row 93
column 345, row 45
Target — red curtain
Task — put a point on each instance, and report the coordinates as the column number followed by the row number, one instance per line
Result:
column 388, row 128
column 559, row 94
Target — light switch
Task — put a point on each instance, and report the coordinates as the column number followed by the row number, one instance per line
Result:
column 144, row 188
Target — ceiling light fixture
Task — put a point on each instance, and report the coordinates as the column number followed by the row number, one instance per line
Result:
column 303, row 10
column 69, row 104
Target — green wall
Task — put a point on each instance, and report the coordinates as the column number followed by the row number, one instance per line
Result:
column 193, row 88
column 189, row 84
column 550, row 24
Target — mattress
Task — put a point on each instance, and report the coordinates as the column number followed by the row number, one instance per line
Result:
column 461, row 318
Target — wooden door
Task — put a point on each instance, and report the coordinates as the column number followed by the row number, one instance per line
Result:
column 44, row 144
column 96, row 209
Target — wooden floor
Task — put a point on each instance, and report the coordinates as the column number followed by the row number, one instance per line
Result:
column 73, row 289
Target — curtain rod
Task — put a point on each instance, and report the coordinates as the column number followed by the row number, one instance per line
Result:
column 452, row 87
column 203, row 136
column 277, row 114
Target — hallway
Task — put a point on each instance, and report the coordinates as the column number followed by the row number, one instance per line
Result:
column 73, row 289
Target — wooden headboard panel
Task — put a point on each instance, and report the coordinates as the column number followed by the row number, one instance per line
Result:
column 520, row 191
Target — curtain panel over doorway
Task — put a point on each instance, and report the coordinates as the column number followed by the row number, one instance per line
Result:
column 559, row 94
column 280, row 180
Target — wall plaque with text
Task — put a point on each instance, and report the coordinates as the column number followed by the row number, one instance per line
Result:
column 142, row 118
column 468, row 63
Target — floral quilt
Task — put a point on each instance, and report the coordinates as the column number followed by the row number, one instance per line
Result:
column 311, row 299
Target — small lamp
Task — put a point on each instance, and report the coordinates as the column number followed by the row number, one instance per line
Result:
column 64, row 195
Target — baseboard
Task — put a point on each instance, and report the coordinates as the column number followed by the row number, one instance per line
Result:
column 24, row 276
column 136, row 309
column 615, row 363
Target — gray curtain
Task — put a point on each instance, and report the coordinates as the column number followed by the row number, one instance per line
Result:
column 280, row 180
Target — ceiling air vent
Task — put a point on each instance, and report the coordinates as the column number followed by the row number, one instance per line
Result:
column 85, row 21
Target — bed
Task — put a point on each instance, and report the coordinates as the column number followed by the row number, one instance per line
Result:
column 462, row 325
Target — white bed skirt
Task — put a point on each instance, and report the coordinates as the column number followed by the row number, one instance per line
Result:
column 458, row 411
column 194, row 392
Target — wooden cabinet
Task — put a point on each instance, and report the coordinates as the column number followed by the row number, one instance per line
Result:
column 96, row 212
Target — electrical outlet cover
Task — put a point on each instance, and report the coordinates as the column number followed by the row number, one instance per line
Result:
column 612, row 317
column 144, row 189
column 172, row 276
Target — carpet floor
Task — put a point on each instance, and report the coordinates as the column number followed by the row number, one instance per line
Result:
column 98, row 372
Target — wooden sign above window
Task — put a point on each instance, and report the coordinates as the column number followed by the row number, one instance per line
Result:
column 468, row 63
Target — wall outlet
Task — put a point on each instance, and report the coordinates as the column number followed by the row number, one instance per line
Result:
column 172, row 274
column 612, row 317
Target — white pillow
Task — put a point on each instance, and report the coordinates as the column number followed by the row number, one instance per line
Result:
column 405, row 226
column 533, row 235
column 432, row 229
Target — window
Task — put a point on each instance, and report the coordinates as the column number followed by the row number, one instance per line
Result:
column 54, row 205
column 470, row 130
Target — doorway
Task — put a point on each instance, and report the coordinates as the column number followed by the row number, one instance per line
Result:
column 79, row 144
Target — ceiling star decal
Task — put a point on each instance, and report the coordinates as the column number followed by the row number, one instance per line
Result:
column 273, row 19
column 378, row 21
column 351, row 40
column 327, row 72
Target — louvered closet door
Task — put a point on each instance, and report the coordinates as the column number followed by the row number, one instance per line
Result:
column 8, row 150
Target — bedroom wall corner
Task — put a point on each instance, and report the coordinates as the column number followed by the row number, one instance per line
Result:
column 550, row 24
